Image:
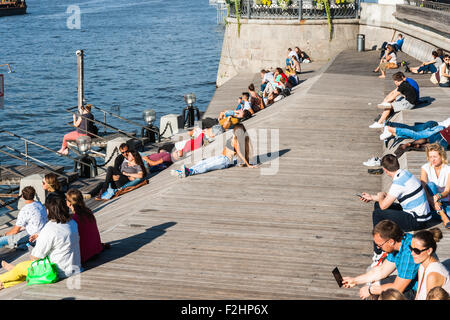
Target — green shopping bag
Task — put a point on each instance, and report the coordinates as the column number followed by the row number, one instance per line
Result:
column 42, row 271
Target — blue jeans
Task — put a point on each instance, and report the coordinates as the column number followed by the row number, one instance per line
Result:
column 15, row 240
column 210, row 164
column 416, row 132
column 428, row 68
column 437, row 137
column 432, row 189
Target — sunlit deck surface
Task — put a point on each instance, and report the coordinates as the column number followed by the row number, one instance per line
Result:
column 241, row 234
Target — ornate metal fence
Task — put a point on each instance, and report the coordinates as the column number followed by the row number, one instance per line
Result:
column 289, row 9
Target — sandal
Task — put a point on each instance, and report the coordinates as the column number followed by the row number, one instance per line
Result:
column 375, row 171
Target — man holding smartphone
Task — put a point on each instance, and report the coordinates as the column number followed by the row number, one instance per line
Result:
column 388, row 236
column 411, row 213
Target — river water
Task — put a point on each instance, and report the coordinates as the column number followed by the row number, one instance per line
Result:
column 139, row 54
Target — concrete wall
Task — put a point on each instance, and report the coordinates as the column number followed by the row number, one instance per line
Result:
column 263, row 43
column 378, row 23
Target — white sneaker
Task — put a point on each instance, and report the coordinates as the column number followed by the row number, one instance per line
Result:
column 384, row 105
column 372, row 162
column 386, row 134
column 376, row 125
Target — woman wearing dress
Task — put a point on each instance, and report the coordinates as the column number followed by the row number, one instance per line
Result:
column 432, row 273
column 435, row 178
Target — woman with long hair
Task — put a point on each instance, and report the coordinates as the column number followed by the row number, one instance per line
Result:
column 90, row 243
column 51, row 184
column 132, row 168
column 239, row 145
column 432, row 273
column 82, row 124
column 58, row 240
column 435, row 178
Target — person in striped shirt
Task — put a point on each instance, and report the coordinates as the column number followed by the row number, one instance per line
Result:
column 412, row 210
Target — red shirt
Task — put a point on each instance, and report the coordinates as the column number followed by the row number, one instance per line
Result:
column 90, row 243
column 445, row 133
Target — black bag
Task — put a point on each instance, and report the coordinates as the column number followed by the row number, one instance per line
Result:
column 286, row 92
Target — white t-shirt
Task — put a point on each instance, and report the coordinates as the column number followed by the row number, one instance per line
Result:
column 293, row 53
column 408, row 190
column 247, row 105
column 393, row 58
column 61, row 243
column 32, row 217
column 422, row 282
column 268, row 76
column 440, row 181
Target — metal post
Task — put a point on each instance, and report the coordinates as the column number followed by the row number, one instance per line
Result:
column 248, row 9
column 26, row 153
column 80, row 60
column 300, row 7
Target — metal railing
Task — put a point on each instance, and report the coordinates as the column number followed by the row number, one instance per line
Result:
column 310, row 9
column 434, row 5
column 30, row 160
column 105, row 125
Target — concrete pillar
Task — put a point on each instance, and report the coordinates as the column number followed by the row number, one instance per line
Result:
column 175, row 122
column 34, row 180
column 111, row 145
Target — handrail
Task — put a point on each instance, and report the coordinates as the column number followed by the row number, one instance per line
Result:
column 12, row 134
column 118, row 117
column 45, row 166
column 105, row 125
column 125, row 119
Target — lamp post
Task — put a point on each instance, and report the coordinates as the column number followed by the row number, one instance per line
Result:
column 150, row 131
column 87, row 168
column 189, row 111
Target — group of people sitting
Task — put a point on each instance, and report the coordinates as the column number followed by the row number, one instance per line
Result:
column 274, row 87
column 438, row 66
column 402, row 216
column 63, row 229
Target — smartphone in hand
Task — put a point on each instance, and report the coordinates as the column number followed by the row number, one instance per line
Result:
column 337, row 275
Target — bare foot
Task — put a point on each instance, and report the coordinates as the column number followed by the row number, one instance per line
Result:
column 7, row 266
column 381, row 77
column 1, row 286
column 444, row 218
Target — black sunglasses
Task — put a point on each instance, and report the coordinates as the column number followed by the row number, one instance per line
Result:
column 125, row 152
column 417, row 251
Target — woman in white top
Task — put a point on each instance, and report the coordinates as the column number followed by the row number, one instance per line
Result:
column 444, row 72
column 389, row 61
column 432, row 273
column 435, row 178
column 58, row 240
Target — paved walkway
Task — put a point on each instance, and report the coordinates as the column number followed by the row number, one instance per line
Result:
column 239, row 233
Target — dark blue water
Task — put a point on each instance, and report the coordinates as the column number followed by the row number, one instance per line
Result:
column 139, row 54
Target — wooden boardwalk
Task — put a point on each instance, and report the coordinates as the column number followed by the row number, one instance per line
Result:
column 239, row 233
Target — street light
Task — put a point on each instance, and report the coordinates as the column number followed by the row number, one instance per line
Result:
column 150, row 131
column 86, row 166
column 190, row 110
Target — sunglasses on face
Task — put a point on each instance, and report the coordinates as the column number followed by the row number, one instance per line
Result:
column 125, row 152
column 417, row 251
